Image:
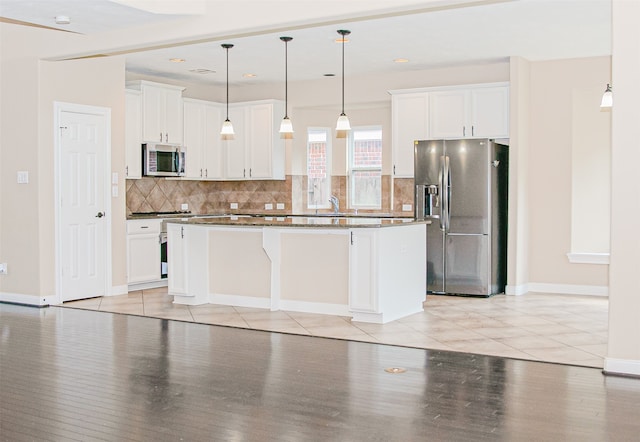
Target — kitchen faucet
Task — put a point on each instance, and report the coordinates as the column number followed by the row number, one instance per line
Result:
column 335, row 203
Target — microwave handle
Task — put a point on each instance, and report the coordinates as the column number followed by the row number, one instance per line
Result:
column 179, row 161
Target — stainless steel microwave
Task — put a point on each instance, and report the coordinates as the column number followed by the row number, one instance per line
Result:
column 163, row 160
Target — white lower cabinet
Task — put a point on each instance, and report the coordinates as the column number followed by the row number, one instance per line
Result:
column 143, row 251
column 177, row 257
column 363, row 288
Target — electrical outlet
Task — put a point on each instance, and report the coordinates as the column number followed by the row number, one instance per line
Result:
column 234, row 205
column 3, row 268
column 407, row 207
column 184, row 207
column 280, row 206
column 268, row 206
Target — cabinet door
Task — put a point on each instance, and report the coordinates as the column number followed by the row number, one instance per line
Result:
column 172, row 122
column 153, row 114
column 143, row 258
column 235, row 149
column 490, row 112
column 177, row 259
column 260, row 140
column 133, row 135
column 212, row 144
column 448, row 114
column 194, row 138
column 363, row 290
column 409, row 123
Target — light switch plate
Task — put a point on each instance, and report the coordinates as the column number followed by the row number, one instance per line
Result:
column 114, row 191
column 23, row 177
column 3, row 268
column 114, row 178
column 407, row 207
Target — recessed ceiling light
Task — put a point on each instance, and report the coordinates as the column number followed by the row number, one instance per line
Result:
column 62, row 19
column 249, row 75
column 202, row 71
column 401, row 60
column 177, row 60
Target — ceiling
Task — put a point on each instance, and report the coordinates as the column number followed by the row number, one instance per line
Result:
column 533, row 29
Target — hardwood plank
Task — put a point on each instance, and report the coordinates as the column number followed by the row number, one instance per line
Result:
column 70, row 374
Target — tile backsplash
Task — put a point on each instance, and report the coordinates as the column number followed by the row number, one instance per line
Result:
column 162, row 195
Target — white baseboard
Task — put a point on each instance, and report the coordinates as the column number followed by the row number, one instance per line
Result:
column 240, row 301
column 145, row 286
column 20, row 298
column 516, row 289
column 588, row 258
column 118, row 290
column 627, row 367
column 569, row 289
column 315, row 307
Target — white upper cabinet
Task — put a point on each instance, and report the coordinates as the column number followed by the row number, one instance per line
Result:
column 202, row 120
column 490, row 112
column 257, row 151
column 133, row 135
column 409, row 114
column 469, row 112
column 161, row 112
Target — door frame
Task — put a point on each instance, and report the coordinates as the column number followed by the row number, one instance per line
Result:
column 105, row 113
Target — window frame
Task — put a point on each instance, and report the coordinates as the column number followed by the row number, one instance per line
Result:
column 351, row 168
column 328, row 146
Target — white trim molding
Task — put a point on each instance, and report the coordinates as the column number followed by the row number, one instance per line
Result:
column 588, row 258
column 315, row 307
column 516, row 290
column 569, row 289
column 627, row 367
column 21, row 298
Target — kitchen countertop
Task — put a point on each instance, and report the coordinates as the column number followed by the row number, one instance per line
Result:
column 294, row 221
column 403, row 215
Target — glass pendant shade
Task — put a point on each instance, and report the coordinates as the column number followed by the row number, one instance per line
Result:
column 285, row 126
column 607, row 98
column 343, row 122
column 227, row 128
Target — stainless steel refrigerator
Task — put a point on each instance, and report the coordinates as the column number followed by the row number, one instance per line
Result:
column 462, row 187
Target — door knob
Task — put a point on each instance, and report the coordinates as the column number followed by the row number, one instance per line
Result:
column 100, row 214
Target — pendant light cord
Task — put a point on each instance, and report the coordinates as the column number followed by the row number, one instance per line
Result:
column 227, row 46
column 286, row 77
column 344, row 33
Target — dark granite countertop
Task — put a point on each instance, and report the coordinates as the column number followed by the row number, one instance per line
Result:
column 294, row 221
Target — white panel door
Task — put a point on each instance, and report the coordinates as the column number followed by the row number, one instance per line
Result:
column 83, row 147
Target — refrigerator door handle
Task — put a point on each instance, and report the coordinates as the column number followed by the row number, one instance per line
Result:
column 448, row 191
column 445, row 190
column 442, row 195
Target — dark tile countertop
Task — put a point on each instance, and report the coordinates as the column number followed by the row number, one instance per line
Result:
column 295, row 221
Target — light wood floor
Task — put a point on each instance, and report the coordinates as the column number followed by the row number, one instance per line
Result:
column 541, row 327
column 77, row 375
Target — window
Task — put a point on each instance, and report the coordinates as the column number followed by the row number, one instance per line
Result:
column 365, row 167
column 318, row 167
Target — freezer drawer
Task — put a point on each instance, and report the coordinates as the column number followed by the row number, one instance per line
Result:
column 467, row 261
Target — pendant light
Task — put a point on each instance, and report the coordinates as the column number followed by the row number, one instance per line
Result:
column 343, row 125
column 227, row 128
column 607, row 98
column 286, row 128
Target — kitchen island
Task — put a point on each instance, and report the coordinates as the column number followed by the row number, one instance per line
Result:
column 371, row 269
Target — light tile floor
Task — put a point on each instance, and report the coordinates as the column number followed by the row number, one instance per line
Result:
column 542, row 327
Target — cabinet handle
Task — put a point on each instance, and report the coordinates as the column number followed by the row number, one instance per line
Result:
column 351, row 238
column 161, row 137
column 464, row 131
column 244, row 173
column 200, row 172
column 144, row 227
column 473, row 131
column 126, row 173
column 181, row 232
column 166, row 137
column 250, row 175
column 206, row 173
column 394, row 169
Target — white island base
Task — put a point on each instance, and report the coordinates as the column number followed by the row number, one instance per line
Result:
column 372, row 274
